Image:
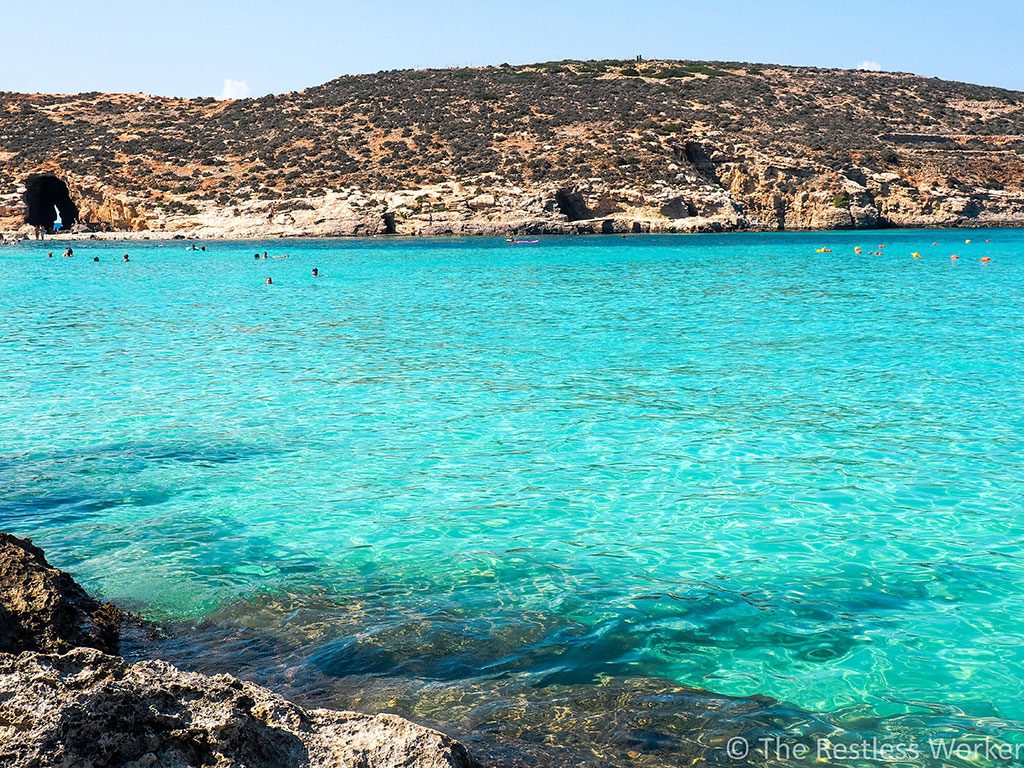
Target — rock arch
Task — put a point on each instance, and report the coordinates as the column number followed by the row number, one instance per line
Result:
column 46, row 194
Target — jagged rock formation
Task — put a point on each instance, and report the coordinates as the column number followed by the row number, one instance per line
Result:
column 43, row 609
column 84, row 707
column 604, row 147
column 87, row 708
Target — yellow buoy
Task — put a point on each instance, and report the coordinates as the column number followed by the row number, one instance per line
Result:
column 967, row 241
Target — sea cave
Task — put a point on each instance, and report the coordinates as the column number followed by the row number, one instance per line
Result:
column 46, row 199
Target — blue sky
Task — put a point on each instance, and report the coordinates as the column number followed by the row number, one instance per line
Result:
column 190, row 47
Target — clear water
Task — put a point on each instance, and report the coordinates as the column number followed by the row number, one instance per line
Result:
column 722, row 461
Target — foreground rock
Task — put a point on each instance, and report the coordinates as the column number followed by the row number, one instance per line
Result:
column 90, row 709
column 82, row 707
column 43, row 609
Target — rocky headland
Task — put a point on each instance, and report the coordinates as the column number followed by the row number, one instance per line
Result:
column 67, row 698
column 560, row 147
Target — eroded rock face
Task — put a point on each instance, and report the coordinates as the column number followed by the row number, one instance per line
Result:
column 43, row 609
column 91, row 710
column 654, row 146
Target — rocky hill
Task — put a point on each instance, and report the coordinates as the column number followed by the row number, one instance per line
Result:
column 595, row 146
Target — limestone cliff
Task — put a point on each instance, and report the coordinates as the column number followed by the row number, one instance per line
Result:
column 604, row 146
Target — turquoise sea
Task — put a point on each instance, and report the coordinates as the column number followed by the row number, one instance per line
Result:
column 460, row 479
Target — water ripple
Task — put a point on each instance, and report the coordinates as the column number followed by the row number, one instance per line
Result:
column 724, row 462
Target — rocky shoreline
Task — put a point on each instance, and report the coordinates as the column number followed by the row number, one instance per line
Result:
column 571, row 147
column 503, row 230
column 68, row 699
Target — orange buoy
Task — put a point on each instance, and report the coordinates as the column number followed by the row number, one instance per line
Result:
column 954, row 257
column 916, row 255
column 986, row 259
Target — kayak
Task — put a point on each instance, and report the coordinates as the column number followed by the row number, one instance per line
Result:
column 524, row 242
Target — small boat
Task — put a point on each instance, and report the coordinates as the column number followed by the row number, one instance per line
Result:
column 524, row 242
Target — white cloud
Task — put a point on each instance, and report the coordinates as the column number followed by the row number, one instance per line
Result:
column 870, row 66
column 235, row 89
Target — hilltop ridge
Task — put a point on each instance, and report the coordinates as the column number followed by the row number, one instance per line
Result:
column 571, row 146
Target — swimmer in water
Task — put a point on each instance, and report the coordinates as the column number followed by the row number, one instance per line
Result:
column 269, row 281
column 125, row 257
column 95, row 258
column 49, row 255
column 316, row 272
column 68, row 253
column 264, row 254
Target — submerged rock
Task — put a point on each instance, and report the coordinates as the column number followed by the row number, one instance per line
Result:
column 43, row 609
column 81, row 707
